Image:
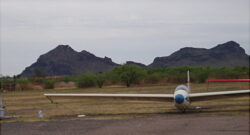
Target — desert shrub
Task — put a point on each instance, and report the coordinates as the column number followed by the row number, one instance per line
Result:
column 49, row 84
column 37, row 80
column 65, row 79
column 230, row 72
column 200, row 77
column 22, row 81
column 23, row 84
column 179, row 78
column 6, row 79
column 153, row 78
column 112, row 77
column 100, row 79
column 129, row 74
column 87, row 80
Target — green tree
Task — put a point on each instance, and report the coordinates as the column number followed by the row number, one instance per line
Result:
column 49, row 83
column 201, row 76
column 86, row 80
column 100, row 79
column 38, row 77
column 153, row 78
column 23, row 83
column 129, row 73
column 65, row 79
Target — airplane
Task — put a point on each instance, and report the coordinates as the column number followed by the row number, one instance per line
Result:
column 182, row 96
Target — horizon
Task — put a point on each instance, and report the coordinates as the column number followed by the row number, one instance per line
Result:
column 124, row 31
column 137, row 61
column 125, row 61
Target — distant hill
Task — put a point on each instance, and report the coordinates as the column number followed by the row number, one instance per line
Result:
column 227, row 54
column 135, row 63
column 63, row 60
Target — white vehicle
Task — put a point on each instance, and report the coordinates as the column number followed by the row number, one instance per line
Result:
column 182, row 97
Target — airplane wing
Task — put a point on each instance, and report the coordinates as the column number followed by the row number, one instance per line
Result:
column 218, row 95
column 145, row 97
column 153, row 97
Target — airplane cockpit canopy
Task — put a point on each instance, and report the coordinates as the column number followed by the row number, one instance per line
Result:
column 182, row 87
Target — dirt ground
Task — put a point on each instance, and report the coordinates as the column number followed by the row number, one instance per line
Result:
column 121, row 117
column 173, row 125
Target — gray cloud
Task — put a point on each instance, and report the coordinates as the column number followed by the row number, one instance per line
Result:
column 121, row 29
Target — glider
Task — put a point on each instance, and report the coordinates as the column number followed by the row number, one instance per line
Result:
column 182, row 97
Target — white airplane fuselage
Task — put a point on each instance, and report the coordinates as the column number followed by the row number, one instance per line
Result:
column 181, row 98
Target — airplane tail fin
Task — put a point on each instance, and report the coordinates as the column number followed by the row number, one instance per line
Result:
column 188, row 80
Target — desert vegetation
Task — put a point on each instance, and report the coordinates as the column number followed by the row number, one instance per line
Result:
column 25, row 105
column 128, row 75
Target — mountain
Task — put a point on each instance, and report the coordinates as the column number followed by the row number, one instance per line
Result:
column 135, row 63
column 227, row 54
column 63, row 60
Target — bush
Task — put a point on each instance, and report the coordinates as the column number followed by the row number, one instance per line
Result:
column 153, row 78
column 37, row 80
column 132, row 74
column 49, row 84
column 129, row 74
column 201, row 77
column 23, row 83
column 100, row 79
column 112, row 77
column 87, row 80
column 179, row 78
column 65, row 79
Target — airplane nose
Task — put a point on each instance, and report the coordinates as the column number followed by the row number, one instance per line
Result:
column 179, row 98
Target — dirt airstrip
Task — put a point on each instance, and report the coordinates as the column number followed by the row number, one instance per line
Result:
column 121, row 117
column 173, row 125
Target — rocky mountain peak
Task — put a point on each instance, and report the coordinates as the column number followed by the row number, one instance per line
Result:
column 58, row 53
column 86, row 53
column 226, row 54
column 63, row 60
column 63, row 48
column 107, row 59
column 227, row 47
column 189, row 51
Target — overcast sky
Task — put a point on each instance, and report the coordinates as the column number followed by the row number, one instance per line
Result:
column 123, row 30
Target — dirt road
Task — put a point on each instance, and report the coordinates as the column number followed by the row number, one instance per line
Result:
column 176, row 125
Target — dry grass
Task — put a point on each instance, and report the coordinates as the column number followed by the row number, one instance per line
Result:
column 25, row 104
